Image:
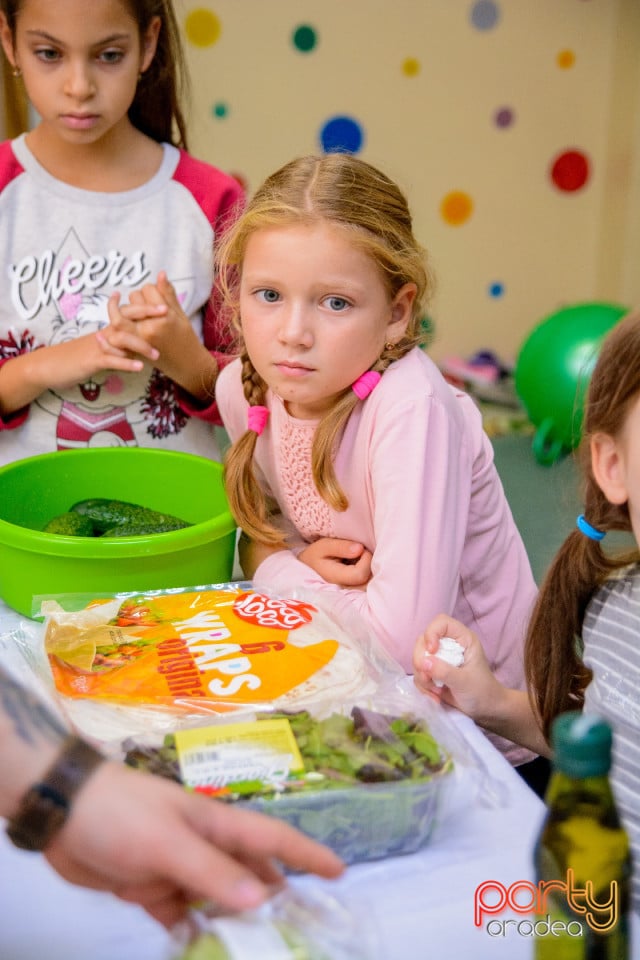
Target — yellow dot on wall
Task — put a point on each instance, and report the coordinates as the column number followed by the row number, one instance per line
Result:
column 202, row 28
column 566, row 59
column 411, row 67
column 456, row 207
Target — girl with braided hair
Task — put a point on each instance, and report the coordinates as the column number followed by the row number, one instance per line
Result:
column 355, row 468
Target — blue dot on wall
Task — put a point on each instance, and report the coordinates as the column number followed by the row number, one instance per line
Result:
column 496, row 290
column 485, row 14
column 341, row 135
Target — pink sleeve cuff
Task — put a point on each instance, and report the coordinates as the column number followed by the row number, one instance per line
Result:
column 14, row 420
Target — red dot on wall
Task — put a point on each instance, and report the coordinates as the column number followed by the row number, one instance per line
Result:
column 570, row 170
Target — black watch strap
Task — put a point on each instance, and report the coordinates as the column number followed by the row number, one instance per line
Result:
column 46, row 805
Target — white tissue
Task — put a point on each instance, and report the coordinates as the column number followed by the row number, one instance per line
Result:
column 451, row 652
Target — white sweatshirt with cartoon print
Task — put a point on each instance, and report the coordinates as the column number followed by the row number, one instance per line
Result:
column 63, row 251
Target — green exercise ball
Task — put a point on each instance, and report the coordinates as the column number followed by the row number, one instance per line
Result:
column 553, row 369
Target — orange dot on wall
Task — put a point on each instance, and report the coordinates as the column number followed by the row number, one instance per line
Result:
column 566, row 59
column 202, row 28
column 411, row 67
column 456, row 207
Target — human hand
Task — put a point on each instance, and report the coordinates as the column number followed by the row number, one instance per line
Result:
column 181, row 355
column 150, row 842
column 64, row 365
column 343, row 562
column 471, row 687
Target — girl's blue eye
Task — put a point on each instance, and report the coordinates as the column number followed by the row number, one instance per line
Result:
column 337, row 303
column 269, row 296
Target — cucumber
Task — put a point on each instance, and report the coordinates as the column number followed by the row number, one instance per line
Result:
column 70, row 525
column 142, row 529
column 106, row 515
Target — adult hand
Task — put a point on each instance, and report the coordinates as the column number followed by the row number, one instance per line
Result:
column 343, row 562
column 150, row 842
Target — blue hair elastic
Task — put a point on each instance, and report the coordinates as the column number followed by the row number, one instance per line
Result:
column 585, row 527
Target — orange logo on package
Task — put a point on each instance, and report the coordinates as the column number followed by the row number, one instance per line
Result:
column 209, row 650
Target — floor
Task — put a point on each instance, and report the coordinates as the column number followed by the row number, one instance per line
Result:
column 545, row 501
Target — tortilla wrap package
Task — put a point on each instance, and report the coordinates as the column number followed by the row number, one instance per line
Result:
column 167, row 658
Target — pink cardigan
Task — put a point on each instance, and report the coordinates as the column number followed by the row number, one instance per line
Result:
column 425, row 498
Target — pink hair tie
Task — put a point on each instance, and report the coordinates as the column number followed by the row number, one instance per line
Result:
column 363, row 386
column 256, row 419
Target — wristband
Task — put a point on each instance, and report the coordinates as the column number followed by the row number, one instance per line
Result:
column 45, row 807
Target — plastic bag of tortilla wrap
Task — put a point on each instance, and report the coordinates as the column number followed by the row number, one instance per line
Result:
column 167, row 658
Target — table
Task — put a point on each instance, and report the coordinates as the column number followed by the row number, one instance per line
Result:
column 416, row 907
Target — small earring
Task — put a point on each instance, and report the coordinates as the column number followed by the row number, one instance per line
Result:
column 389, row 345
column 17, row 72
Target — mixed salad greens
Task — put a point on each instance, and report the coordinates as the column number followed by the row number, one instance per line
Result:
column 339, row 751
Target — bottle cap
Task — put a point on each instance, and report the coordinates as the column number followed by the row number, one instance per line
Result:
column 581, row 744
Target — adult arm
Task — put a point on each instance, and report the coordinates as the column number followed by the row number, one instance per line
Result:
column 144, row 838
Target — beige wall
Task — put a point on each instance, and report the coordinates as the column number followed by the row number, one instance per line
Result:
column 434, row 131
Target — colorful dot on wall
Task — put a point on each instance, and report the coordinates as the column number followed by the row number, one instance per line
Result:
column 305, row 38
column 411, row 67
column 504, row 117
column 484, row 15
column 496, row 290
column 456, row 208
column 570, row 170
column 220, row 110
column 566, row 59
column 341, row 134
column 202, row 28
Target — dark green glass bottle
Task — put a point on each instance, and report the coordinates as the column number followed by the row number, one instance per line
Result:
column 584, row 848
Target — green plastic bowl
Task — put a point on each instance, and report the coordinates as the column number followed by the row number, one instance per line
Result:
column 33, row 490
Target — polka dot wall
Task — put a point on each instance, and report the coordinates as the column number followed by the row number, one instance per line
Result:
column 493, row 115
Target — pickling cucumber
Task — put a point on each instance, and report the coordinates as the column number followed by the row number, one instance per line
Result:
column 107, row 516
column 142, row 529
column 70, row 525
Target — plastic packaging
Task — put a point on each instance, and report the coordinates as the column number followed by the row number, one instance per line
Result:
column 360, row 820
column 365, row 783
column 291, row 926
column 171, row 658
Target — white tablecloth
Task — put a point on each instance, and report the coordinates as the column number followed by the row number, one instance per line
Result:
column 416, row 906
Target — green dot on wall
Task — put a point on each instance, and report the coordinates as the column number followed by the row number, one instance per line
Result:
column 202, row 28
column 220, row 110
column 305, row 38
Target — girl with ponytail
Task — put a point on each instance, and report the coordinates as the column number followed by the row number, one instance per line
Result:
column 582, row 642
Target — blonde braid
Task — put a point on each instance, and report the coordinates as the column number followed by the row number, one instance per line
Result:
column 249, row 504
column 331, row 426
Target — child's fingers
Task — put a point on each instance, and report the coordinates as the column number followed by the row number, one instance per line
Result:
column 120, row 343
column 118, row 359
column 168, row 291
column 446, row 626
column 142, row 310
